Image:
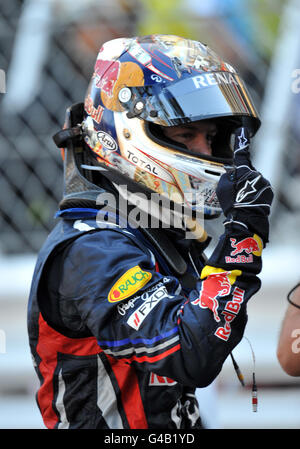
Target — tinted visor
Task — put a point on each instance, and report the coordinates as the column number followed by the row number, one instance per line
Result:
column 200, row 97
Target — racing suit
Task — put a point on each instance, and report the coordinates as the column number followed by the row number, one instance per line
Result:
column 121, row 338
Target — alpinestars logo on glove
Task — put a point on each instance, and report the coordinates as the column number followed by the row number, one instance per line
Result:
column 247, row 189
column 128, row 284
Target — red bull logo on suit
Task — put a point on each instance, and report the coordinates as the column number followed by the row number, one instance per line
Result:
column 244, row 249
column 230, row 311
column 213, row 287
column 218, row 284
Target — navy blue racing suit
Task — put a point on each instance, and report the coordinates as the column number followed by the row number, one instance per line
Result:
column 121, row 341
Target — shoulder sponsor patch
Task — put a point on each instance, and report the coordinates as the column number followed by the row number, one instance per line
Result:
column 137, row 317
column 128, row 284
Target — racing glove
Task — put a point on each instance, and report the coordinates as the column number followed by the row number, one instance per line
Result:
column 229, row 277
column 244, row 194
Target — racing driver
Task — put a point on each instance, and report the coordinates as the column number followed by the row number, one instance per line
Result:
column 126, row 315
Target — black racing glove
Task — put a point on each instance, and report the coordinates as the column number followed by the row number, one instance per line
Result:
column 244, row 194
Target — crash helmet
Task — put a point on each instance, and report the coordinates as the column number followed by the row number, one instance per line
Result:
column 141, row 85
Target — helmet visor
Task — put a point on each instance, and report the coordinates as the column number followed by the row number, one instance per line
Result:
column 203, row 96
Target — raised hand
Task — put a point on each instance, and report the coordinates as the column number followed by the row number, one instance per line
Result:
column 244, row 194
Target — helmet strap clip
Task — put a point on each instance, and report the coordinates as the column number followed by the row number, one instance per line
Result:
column 61, row 137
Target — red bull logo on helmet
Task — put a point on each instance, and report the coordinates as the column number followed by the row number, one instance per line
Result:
column 107, row 73
column 245, row 249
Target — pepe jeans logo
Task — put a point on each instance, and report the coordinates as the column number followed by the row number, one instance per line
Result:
column 128, row 284
column 2, row 82
column 136, row 319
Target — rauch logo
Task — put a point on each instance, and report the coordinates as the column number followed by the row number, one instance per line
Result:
column 128, row 284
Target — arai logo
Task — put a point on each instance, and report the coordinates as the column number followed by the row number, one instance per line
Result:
column 107, row 141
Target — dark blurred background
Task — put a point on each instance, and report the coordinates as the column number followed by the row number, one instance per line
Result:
column 47, row 51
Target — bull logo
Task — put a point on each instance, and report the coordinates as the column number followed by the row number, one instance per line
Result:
column 213, row 287
column 107, row 73
column 249, row 245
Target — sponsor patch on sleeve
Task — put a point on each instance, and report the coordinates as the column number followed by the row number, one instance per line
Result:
column 137, row 317
column 128, row 284
column 244, row 249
